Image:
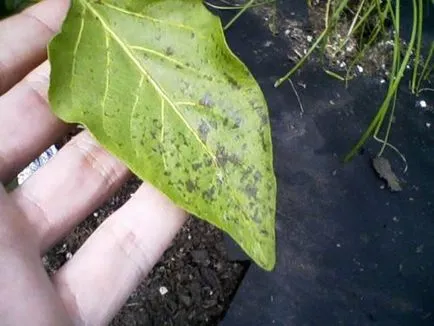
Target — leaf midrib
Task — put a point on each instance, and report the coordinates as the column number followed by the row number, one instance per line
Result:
column 154, row 83
column 159, row 89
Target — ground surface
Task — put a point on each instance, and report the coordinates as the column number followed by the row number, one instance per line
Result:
column 350, row 252
column 195, row 272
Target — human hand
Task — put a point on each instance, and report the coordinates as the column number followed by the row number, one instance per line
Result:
column 91, row 287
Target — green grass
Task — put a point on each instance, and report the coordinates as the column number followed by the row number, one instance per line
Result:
column 369, row 22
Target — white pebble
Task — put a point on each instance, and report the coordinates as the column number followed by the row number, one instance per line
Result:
column 95, row 214
column 287, row 32
column 68, row 256
column 343, row 64
column 422, row 104
column 338, row 245
column 382, row 81
column 360, row 68
column 428, row 124
column 309, row 38
column 163, row 290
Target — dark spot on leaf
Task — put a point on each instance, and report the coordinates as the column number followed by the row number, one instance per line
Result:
column 183, row 139
column 225, row 122
column 203, row 130
column 178, row 165
column 208, row 194
column 264, row 120
column 257, row 177
column 196, row 166
column 237, row 123
column 246, row 174
column 251, row 191
column 264, row 233
column 167, row 173
column 232, row 81
column 223, row 157
column 208, row 77
column 169, row 51
column 255, row 216
column 190, row 186
column 264, row 142
column 192, row 35
column 206, row 101
column 178, row 67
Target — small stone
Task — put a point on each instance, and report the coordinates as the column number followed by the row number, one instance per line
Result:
column 428, row 124
column 68, row 256
column 163, row 290
column 395, row 219
column 360, row 68
column 422, row 104
column 268, row 44
column 342, row 64
column 95, row 214
column 382, row 81
column 309, row 38
column 189, row 237
column 287, row 32
column 338, row 245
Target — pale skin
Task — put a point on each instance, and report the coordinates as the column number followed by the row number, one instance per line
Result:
column 92, row 286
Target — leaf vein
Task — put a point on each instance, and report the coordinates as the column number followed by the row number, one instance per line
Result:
column 133, row 110
column 154, row 83
column 107, row 79
column 163, row 154
column 77, row 43
column 161, row 55
column 155, row 20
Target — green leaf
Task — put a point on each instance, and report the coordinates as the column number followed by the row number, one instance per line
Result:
column 156, row 84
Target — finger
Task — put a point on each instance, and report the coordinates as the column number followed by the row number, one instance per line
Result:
column 29, row 296
column 27, row 126
column 113, row 261
column 24, row 38
column 66, row 190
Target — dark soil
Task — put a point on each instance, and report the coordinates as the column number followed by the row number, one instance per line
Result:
column 195, row 270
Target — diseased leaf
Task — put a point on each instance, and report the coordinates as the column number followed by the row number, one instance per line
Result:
column 156, row 84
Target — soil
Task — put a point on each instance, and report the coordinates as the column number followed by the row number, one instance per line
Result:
column 199, row 278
